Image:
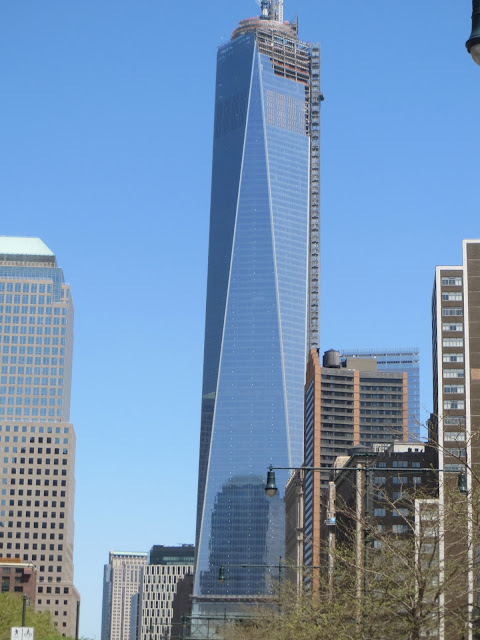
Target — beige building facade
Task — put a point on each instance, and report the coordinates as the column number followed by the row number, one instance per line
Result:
column 121, row 586
column 37, row 441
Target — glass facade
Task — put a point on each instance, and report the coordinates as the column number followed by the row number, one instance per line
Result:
column 256, row 317
column 36, row 338
column 405, row 360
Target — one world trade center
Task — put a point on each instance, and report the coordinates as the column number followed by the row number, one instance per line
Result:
column 262, row 302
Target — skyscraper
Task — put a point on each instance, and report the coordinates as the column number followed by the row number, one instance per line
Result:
column 456, row 401
column 166, row 569
column 37, row 442
column 122, row 579
column 262, row 298
column 406, row 359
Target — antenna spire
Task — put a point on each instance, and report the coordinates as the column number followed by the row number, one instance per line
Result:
column 265, row 10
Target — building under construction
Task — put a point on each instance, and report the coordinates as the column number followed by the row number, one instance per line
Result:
column 262, row 303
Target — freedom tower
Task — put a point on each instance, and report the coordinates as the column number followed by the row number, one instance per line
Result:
column 262, row 301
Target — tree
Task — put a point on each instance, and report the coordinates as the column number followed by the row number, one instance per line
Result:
column 382, row 583
column 11, row 616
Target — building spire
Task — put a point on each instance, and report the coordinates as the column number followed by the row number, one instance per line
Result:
column 265, row 10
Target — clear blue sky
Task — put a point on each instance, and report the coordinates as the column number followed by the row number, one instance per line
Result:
column 105, row 153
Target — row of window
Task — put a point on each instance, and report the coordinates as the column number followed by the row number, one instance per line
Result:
column 458, row 388
column 379, row 480
column 26, row 412
column 453, row 357
column 452, row 281
column 453, row 342
column 33, row 429
column 32, row 331
column 452, row 296
column 24, row 310
column 25, row 287
column 7, row 320
column 452, row 327
column 453, row 373
column 31, row 339
column 454, row 404
column 452, row 311
column 381, row 512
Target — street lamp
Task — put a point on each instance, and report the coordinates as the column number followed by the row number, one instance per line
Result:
column 271, row 487
column 473, row 43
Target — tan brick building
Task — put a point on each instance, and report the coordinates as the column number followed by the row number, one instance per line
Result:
column 37, row 442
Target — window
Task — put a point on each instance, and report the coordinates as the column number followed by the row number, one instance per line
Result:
column 379, row 513
column 451, row 282
column 453, row 342
column 400, row 528
column 451, row 296
column 454, row 436
column 458, row 388
column 454, row 420
column 453, row 357
column 400, row 463
column 400, row 480
column 452, row 311
column 452, row 327
column 453, row 373
column 379, row 480
column 457, row 453
column 454, row 404
column 400, row 512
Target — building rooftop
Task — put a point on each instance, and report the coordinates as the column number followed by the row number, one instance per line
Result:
column 14, row 246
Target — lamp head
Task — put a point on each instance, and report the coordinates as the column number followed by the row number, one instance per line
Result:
column 271, row 487
column 473, row 43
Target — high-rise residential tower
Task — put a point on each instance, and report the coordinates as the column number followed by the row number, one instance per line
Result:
column 37, row 442
column 346, row 404
column 455, row 424
column 262, row 298
column 403, row 359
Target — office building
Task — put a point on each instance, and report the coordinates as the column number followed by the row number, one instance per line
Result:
column 347, row 404
column 162, row 577
column 19, row 577
column 406, row 359
column 262, row 299
column 121, row 585
column 37, row 442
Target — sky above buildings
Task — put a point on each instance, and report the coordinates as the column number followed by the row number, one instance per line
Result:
column 105, row 153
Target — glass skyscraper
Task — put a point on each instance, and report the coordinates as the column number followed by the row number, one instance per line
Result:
column 262, row 301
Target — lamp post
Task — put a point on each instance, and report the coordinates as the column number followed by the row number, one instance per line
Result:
column 473, row 43
column 25, row 604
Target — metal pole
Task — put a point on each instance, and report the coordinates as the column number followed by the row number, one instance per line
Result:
column 24, row 609
column 365, row 542
column 77, row 623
